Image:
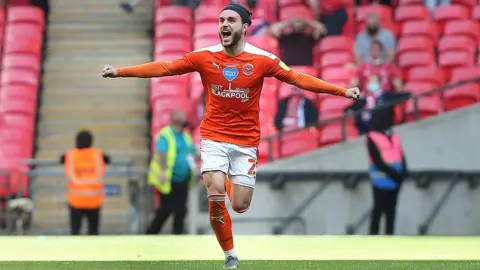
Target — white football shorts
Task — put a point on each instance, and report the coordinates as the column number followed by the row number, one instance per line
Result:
column 238, row 162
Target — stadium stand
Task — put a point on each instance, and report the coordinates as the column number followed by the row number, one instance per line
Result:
column 21, row 34
column 431, row 49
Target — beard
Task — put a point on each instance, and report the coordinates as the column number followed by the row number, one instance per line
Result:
column 234, row 39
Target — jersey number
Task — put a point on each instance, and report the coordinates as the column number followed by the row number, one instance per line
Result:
column 254, row 165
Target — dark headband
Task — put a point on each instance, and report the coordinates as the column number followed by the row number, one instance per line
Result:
column 243, row 12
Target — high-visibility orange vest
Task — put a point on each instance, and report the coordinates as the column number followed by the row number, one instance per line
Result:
column 84, row 169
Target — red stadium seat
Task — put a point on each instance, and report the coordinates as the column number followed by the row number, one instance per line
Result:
column 335, row 44
column 270, row 85
column 18, row 92
column 267, row 149
column 409, row 60
column 461, row 96
column 206, row 30
column 476, row 13
column 20, row 121
column 456, row 43
column 384, row 12
column 333, row 104
column 332, row 133
column 172, row 45
column 19, row 77
column 207, row 14
column 421, row 28
column 306, row 69
column 298, row 142
column 267, row 43
column 410, row 2
column 427, row 106
column 337, row 59
column 465, row 73
column 468, row 28
column 24, row 106
column 420, row 87
column 163, row 90
column 286, row 3
column 19, row 2
column 415, row 44
column 453, row 59
column 21, row 61
column 445, row 13
column 268, row 103
column 173, row 14
column 205, row 42
column 468, row 3
column 411, row 13
column 285, row 90
column 221, row 3
column 431, row 75
column 298, row 11
column 26, row 14
column 168, row 56
column 348, row 29
column 173, row 30
column 338, row 74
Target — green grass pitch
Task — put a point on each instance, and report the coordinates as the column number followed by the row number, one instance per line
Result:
column 256, row 252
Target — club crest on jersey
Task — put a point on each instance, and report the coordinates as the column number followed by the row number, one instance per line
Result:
column 230, row 73
column 248, row 69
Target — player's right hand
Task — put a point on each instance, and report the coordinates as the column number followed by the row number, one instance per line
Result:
column 109, row 72
column 353, row 93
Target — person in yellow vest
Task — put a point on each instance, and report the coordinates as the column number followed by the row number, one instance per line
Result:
column 172, row 171
column 388, row 169
column 84, row 169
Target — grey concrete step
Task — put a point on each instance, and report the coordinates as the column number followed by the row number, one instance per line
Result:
column 95, row 44
column 96, row 3
column 59, row 94
column 46, row 130
column 72, row 17
column 100, row 35
column 96, row 83
column 96, row 98
column 105, row 51
column 96, row 27
column 100, row 60
column 65, row 142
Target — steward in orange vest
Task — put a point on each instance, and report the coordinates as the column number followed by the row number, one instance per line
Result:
column 388, row 169
column 84, row 169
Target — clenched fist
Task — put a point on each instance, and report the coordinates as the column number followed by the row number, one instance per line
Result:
column 353, row 93
column 109, row 72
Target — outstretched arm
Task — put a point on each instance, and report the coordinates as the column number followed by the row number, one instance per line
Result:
column 276, row 68
column 154, row 69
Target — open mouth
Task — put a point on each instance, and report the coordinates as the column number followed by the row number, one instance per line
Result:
column 226, row 33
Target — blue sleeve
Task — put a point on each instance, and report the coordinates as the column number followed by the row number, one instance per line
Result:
column 162, row 145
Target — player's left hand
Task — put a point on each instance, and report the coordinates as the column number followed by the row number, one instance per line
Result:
column 353, row 93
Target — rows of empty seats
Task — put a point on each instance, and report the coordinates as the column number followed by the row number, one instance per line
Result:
column 19, row 84
column 432, row 50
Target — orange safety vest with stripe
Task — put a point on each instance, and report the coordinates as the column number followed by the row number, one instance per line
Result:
column 84, row 169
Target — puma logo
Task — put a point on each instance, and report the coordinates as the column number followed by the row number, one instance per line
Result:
column 216, row 65
column 218, row 219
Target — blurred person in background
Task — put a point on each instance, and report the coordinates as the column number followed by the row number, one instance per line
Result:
column 295, row 111
column 296, row 38
column 374, row 95
column 390, row 79
column 172, row 172
column 388, row 169
column 84, row 169
column 331, row 13
column 375, row 32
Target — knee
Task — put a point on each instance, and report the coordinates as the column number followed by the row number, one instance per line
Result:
column 240, row 206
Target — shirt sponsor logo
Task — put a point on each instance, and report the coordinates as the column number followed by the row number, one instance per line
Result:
column 237, row 93
column 230, row 73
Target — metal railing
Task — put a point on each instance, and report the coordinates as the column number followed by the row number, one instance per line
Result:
column 132, row 187
column 343, row 119
column 422, row 179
